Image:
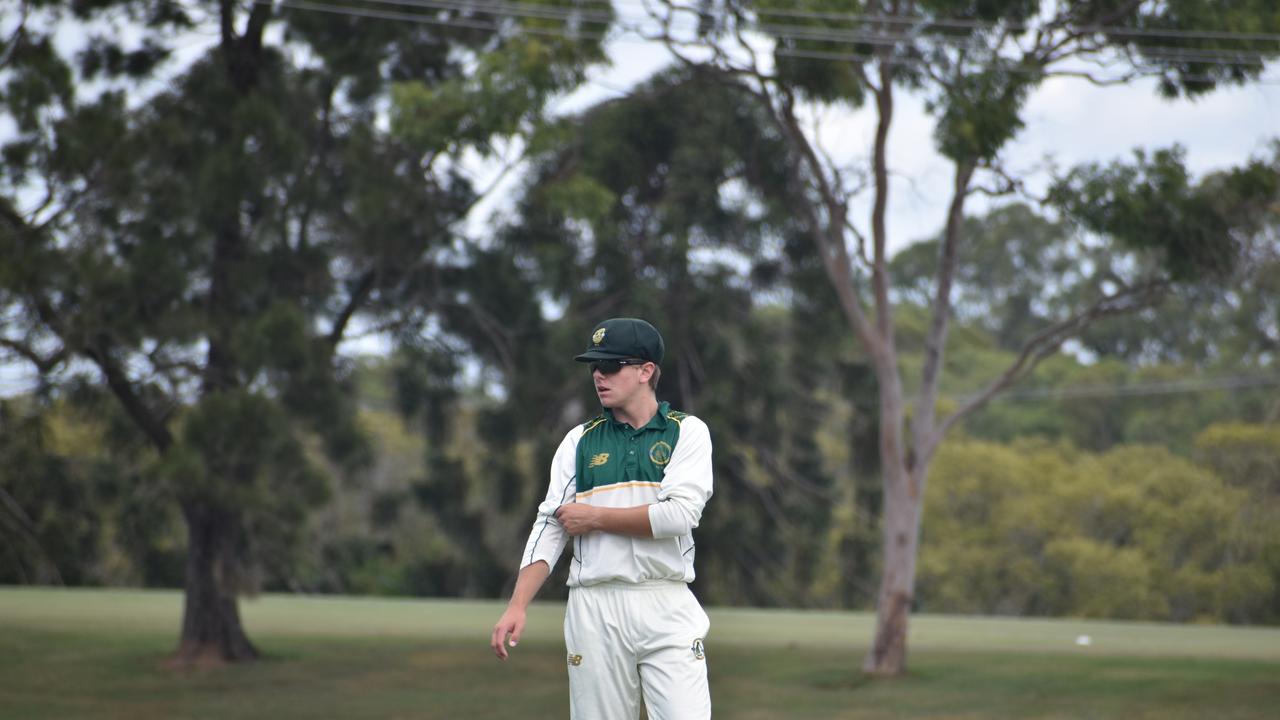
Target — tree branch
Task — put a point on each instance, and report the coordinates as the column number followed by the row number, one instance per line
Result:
column 27, row 528
column 1048, row 340
column 18, row 36
column 43, row 364
column 253, row 29
column 122, row 388
column 226, row 23
column 862, row 241
column 935, row 342
column 1124, row 79
column 1010, row 185
column 829, row 235
column 880, row 169
column 826, row 215
column 364, row 287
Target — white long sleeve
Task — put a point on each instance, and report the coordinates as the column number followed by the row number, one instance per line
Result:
column 686, row 485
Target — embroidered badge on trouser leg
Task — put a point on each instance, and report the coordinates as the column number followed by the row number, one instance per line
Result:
column 673, row 664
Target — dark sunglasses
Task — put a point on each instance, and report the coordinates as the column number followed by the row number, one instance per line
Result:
column 610, row 367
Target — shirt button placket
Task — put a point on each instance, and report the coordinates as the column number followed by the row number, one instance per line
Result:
column 632, row 465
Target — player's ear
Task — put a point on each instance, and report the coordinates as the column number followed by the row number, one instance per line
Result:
column 646, row 372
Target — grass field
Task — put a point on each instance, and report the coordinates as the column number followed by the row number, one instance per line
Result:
column 97, row 654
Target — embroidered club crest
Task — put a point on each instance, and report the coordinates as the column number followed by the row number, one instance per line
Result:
column 660, row 453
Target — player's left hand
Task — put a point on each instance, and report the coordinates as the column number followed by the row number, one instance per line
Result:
column 578, row 519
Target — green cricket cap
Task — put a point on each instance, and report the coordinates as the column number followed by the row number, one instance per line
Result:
column 622, row 338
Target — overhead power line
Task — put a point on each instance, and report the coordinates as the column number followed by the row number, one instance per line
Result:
column 912, row 60
column 875, row 35
column 878, row 22
column 463, row 23
column 1171, row 387
column 871, row 25
column 512, row 9
column 1114, row 30
column 577, row 16
column 866, row 36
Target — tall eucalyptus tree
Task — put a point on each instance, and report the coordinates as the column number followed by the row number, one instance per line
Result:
column 976, row 63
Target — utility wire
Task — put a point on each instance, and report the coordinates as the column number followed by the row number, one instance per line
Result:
column 848, row 36
column 15, row 386
column 581, row 34
column 511, row 9
column 501, row 8
column 429, row 20
column 912, row 60
column 1167, row 55
column 862, row 36
column 913, row 23
column 924, row 21
column 1171, row 387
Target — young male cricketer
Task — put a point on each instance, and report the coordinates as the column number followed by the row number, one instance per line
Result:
column 628, row 487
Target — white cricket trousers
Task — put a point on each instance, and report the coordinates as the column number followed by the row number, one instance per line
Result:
column 623, row 638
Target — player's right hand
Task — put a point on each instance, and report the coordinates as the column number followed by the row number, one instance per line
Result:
column 510, row 624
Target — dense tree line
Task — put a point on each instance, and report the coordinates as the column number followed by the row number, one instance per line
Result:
column 1032, row 512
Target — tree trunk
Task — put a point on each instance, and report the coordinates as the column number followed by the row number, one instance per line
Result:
column 900, row 524
column 211, row 629
column 901, row 538
column 905, row 473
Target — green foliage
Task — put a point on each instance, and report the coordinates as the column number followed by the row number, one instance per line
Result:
column 1247, row 456
column 245, row 438
column 1151, row 205
column 104, row 56
column 36, row 78
column 1035, row 528
column 582, row 198
column 981, row 112
column 49, row 515
column 1019, row 271
column 505, row 93
column 1187, row 74
column 72, row 508
column 803, row 64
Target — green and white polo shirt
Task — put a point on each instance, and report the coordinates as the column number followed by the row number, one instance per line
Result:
column 666, row 465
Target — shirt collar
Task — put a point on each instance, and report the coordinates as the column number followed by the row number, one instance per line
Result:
column 657, row 422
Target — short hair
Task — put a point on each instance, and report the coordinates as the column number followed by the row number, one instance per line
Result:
column 653, row 379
